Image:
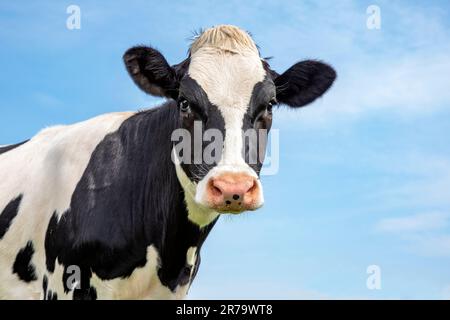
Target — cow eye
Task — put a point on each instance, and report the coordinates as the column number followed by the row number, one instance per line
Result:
column 184, row 106
column 270, row 105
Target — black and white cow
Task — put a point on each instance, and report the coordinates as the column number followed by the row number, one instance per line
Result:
column 103, row 200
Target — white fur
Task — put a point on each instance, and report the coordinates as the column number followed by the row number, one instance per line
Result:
column 45, row 170
column 144, row 282
column 200, row 215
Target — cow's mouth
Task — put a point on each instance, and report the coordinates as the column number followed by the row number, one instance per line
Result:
column 227, row 210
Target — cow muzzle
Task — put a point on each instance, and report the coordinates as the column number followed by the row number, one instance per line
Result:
column 233, row 193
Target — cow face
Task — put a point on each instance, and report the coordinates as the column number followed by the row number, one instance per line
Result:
column 225, row 87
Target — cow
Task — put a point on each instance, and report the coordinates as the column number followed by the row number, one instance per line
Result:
column 107, row 209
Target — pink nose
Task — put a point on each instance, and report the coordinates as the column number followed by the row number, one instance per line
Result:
column 233, row 192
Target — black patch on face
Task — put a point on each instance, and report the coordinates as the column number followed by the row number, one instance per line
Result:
column 128, row 198
column 8, row 214
column 263, row 92
column 209, row 115
column 22, row 265
column 11, row 147
column 258, row 117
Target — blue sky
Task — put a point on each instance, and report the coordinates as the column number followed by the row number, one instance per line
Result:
column 364, row 173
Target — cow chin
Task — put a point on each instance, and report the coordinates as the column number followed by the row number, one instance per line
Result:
column 230, row 189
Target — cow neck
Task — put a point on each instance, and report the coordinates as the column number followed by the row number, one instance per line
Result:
column 163, row 202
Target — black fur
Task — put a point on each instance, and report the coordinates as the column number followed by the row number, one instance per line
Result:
column 258, row 116
column 51, row 295
column 304, row 82
column 11, row 147
column 22, row 265
column 48, row 294
column 206, row 112
column 51, row 241
column 151, row 72
column 8, row 214
column 44, row 286
column 127, row 199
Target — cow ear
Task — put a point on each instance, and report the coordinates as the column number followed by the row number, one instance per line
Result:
column 304, row 82
column 150, row 71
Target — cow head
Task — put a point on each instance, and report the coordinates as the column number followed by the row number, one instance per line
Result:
column 225, row 86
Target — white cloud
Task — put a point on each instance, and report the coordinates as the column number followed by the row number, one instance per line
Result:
column 420, row 237
column 424, row 234
column 435, row 245
column 427, row 183
column 418, row 179
column 424, row 183
column 408, row 85
column 415, row 223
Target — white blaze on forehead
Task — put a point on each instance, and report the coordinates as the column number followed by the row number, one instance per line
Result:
column 226, row 64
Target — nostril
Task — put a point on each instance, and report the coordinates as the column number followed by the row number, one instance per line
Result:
column 236, row 197
column 228, row 202
column 216, row 191
column 253, row 187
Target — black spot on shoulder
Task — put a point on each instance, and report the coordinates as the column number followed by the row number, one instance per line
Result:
column 8, row 214
column 12, row 146
column 22, row 265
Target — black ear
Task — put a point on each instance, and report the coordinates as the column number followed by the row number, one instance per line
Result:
column 304, row 82
column 150, row 71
